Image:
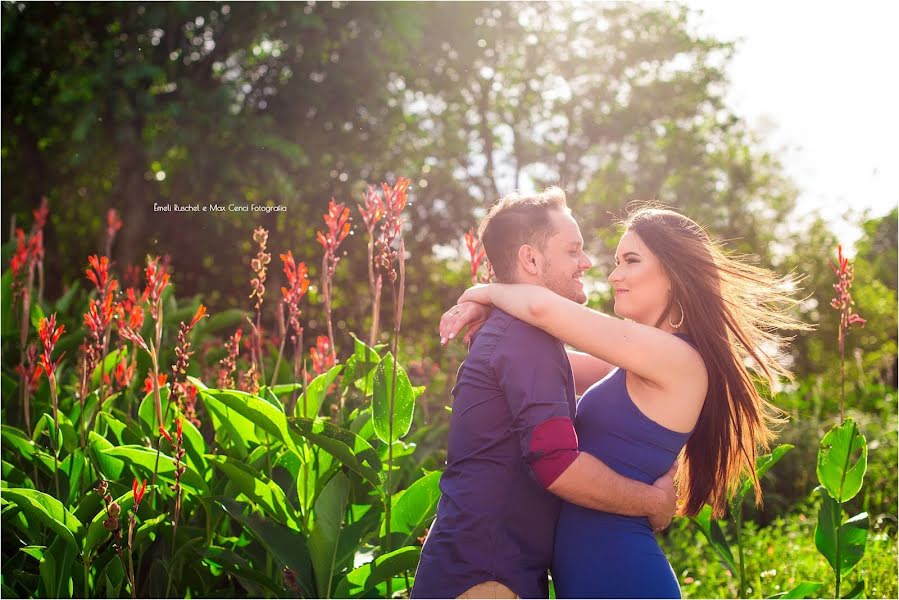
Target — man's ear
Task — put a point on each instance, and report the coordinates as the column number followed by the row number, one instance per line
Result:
column 527, row 259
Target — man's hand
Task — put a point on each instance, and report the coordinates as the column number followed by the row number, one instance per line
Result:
column 464, row 314
column 668, row 500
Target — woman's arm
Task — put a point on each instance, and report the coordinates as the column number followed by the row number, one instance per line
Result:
column 654, row 355
column 587, row 369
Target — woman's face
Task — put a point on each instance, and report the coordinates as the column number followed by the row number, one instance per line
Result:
column 639, row 281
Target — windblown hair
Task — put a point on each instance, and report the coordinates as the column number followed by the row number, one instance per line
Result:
column 735, row 312
column 514, row 221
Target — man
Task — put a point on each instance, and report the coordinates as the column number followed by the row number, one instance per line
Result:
column 512, row 451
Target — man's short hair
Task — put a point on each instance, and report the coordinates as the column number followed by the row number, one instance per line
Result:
column 514, row 221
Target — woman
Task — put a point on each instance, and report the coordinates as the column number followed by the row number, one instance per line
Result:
column 692, row 319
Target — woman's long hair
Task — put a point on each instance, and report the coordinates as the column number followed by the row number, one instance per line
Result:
column 735, row 313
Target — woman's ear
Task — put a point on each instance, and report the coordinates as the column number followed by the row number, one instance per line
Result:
column 527, row 259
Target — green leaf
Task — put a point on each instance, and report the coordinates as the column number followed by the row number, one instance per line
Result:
column 252, row 579
column 47, row 510
column 146, row 412
column 310, row 401
column 37, row 313
column 110, row 467
column 412, row 510
column 67, row 431
column 762, row 465
column 806, row 589
column 286, row 545
column 18, row 441
column 391, row 425
column 853, row 534
column 342, row 444
column 715, row 536
column 144, row 459
column 56, row 570
column 365, row 578
column 329, row 509
column 263, row 491
column 258, row 411
column 857, row 591
column 13, row 475
column 221, row 320
column 36, row 552
column 233, row 431
column 9, row 322
column 842, row 461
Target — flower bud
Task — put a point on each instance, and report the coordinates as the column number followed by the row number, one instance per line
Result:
column 114, row 510
column 111, row 524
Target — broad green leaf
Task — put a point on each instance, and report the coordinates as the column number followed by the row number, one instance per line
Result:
column 762, row 465
column 310, row 401
column 412, row 510
column 365, row 578
column 110, row 467
column 258, row 411
column 233, row 431
column 36, row 313
column 194, row 446
column 56, row 570
column 286, row 388
column 36, row 552
column 18, row 441
column 843, row 460
column 329, row 510
column 45, row 509
column 68, row 435
column 145, row 460
column 112, row 577
column 253, row 485
column 342, row 444
column 14, row 476
column 9, row 321
column 146, row 412
column 853, row 534
column 286, row 545
column 354, row 535
column 806, row 589
column 391, row 425
column 715, row 536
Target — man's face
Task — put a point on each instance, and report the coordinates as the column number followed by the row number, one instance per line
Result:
column 563, row 261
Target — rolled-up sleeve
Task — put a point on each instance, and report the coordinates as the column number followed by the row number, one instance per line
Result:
column 535, row 375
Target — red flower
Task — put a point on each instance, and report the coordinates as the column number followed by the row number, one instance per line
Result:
column 394, row 204
column 165, row 434
column 373, row 210
column 322, row 357
column 138, row 492
column 201, row 312
column 476, row 253
column 113, row 222
column 148, row 382
column 337, row 220
column 298, row 282
column 157, row 280
column 40, row 213
column 49, row 334
column 98, row 272
column 179, row 425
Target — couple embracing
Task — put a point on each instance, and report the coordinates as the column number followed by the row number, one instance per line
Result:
column 536, row 481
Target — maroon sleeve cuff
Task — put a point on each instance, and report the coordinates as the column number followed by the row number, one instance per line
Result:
column 552, row 449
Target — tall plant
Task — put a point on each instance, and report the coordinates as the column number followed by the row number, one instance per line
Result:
column 842, row 457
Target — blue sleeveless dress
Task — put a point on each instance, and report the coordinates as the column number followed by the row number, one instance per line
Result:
column 604, row 555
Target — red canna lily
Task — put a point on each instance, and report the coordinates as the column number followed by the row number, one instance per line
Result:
column 49, row 334
column 322, row 357
column 113, row 222
column 201, row 312
column 148, row 382
column 337, row 220
column 166, row 434
column 138, row 492
column 476, row 253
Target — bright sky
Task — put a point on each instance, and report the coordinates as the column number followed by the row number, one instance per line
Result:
column 819, row 79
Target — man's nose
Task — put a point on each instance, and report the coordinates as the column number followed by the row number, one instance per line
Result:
column 586, row 263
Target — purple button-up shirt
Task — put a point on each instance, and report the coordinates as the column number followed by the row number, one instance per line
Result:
column 494, row 521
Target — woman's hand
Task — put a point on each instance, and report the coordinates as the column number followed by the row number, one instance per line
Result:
column 464, row 314
column 479, row 293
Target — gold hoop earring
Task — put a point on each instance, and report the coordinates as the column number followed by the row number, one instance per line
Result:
column 682, row 314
